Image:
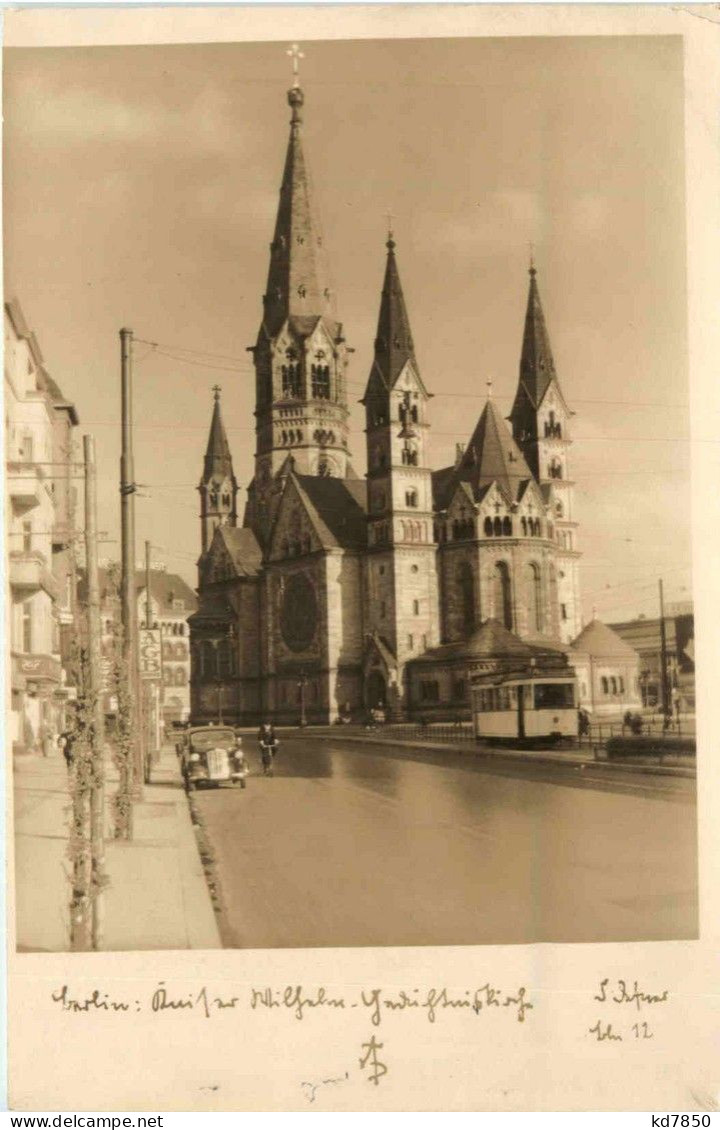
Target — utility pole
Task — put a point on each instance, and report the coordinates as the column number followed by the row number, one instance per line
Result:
column 128, row 594
column 663, row 660
column 149, row 688
column 97, row 718
column 301, row 687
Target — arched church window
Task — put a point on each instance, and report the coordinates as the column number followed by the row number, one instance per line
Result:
column 213, row 498
column 497, row 527
column 523, row 526
column 226, row 500
column 466, row 589
column 503, row 599
column 507, row 528
column 534, row 598
column 488, row 527
column 414, row 414
column 320, row 376
column 604, row 685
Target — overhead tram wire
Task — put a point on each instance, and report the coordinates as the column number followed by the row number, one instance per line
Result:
column 170, row 351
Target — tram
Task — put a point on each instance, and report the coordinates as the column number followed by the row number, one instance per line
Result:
column 527, row 709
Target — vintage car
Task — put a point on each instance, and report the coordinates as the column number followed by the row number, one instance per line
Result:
column 212, row 755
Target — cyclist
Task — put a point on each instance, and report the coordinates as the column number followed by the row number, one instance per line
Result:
column 268, row 747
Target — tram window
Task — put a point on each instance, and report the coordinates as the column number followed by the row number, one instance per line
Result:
column 554, row 696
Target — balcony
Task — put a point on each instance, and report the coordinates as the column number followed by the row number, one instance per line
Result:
column 29, row 573
column 25, row 485
column 34, row 669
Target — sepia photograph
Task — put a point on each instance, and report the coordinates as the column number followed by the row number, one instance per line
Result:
column 348, row 523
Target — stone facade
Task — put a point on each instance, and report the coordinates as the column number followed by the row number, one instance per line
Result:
column 335, row 586
column 40, row 506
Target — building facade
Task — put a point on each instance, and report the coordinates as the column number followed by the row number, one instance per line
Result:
column 334, row 586
column 172, row 601
column 644, row 635
column 40, row 524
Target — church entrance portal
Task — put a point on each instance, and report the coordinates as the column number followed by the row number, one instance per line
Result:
column 375, row 690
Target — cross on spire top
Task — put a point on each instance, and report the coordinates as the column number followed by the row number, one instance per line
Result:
column 217, row 390
column 532, row 258
column 296, row 55
column 489, row 384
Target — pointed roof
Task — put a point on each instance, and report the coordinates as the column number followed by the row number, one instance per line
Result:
column 393, row 342
column 218, row 461
column 537, row 367
column 492, row 640
column 336, row 508
column 298, row 285
column 243, row 549
column 493, row 456
column 597, row 639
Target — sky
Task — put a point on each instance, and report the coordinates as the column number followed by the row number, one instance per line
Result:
column 140, row 190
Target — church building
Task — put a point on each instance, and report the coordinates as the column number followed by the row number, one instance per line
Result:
column 335, row 587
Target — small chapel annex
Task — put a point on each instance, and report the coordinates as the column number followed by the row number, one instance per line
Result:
column 334, row 585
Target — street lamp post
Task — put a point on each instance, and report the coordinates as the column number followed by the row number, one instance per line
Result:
column 301, row 687
column 219, row 700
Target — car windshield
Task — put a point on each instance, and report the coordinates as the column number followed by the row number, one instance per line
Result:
column 212, row 739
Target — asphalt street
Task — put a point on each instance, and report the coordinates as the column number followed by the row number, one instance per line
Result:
column 352, row 845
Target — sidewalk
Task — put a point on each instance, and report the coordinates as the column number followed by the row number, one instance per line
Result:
column 157, row 898
column 579, row 757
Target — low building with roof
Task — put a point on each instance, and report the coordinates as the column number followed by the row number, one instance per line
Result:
column 439, row 681
column 608, row 671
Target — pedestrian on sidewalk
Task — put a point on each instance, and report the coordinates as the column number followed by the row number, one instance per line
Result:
column 66, row 742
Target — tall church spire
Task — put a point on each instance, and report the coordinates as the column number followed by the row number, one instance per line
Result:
column 537, row 374
column 537, row 367
column 541, row 420
column 393, row 342
column 300, row 355
column 298, row 283
column 218, row 461
column 218, row 486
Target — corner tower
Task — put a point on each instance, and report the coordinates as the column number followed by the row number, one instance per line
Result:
column 540, row 421
column 300, row 355
column 402, row 605
column 218, row 486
